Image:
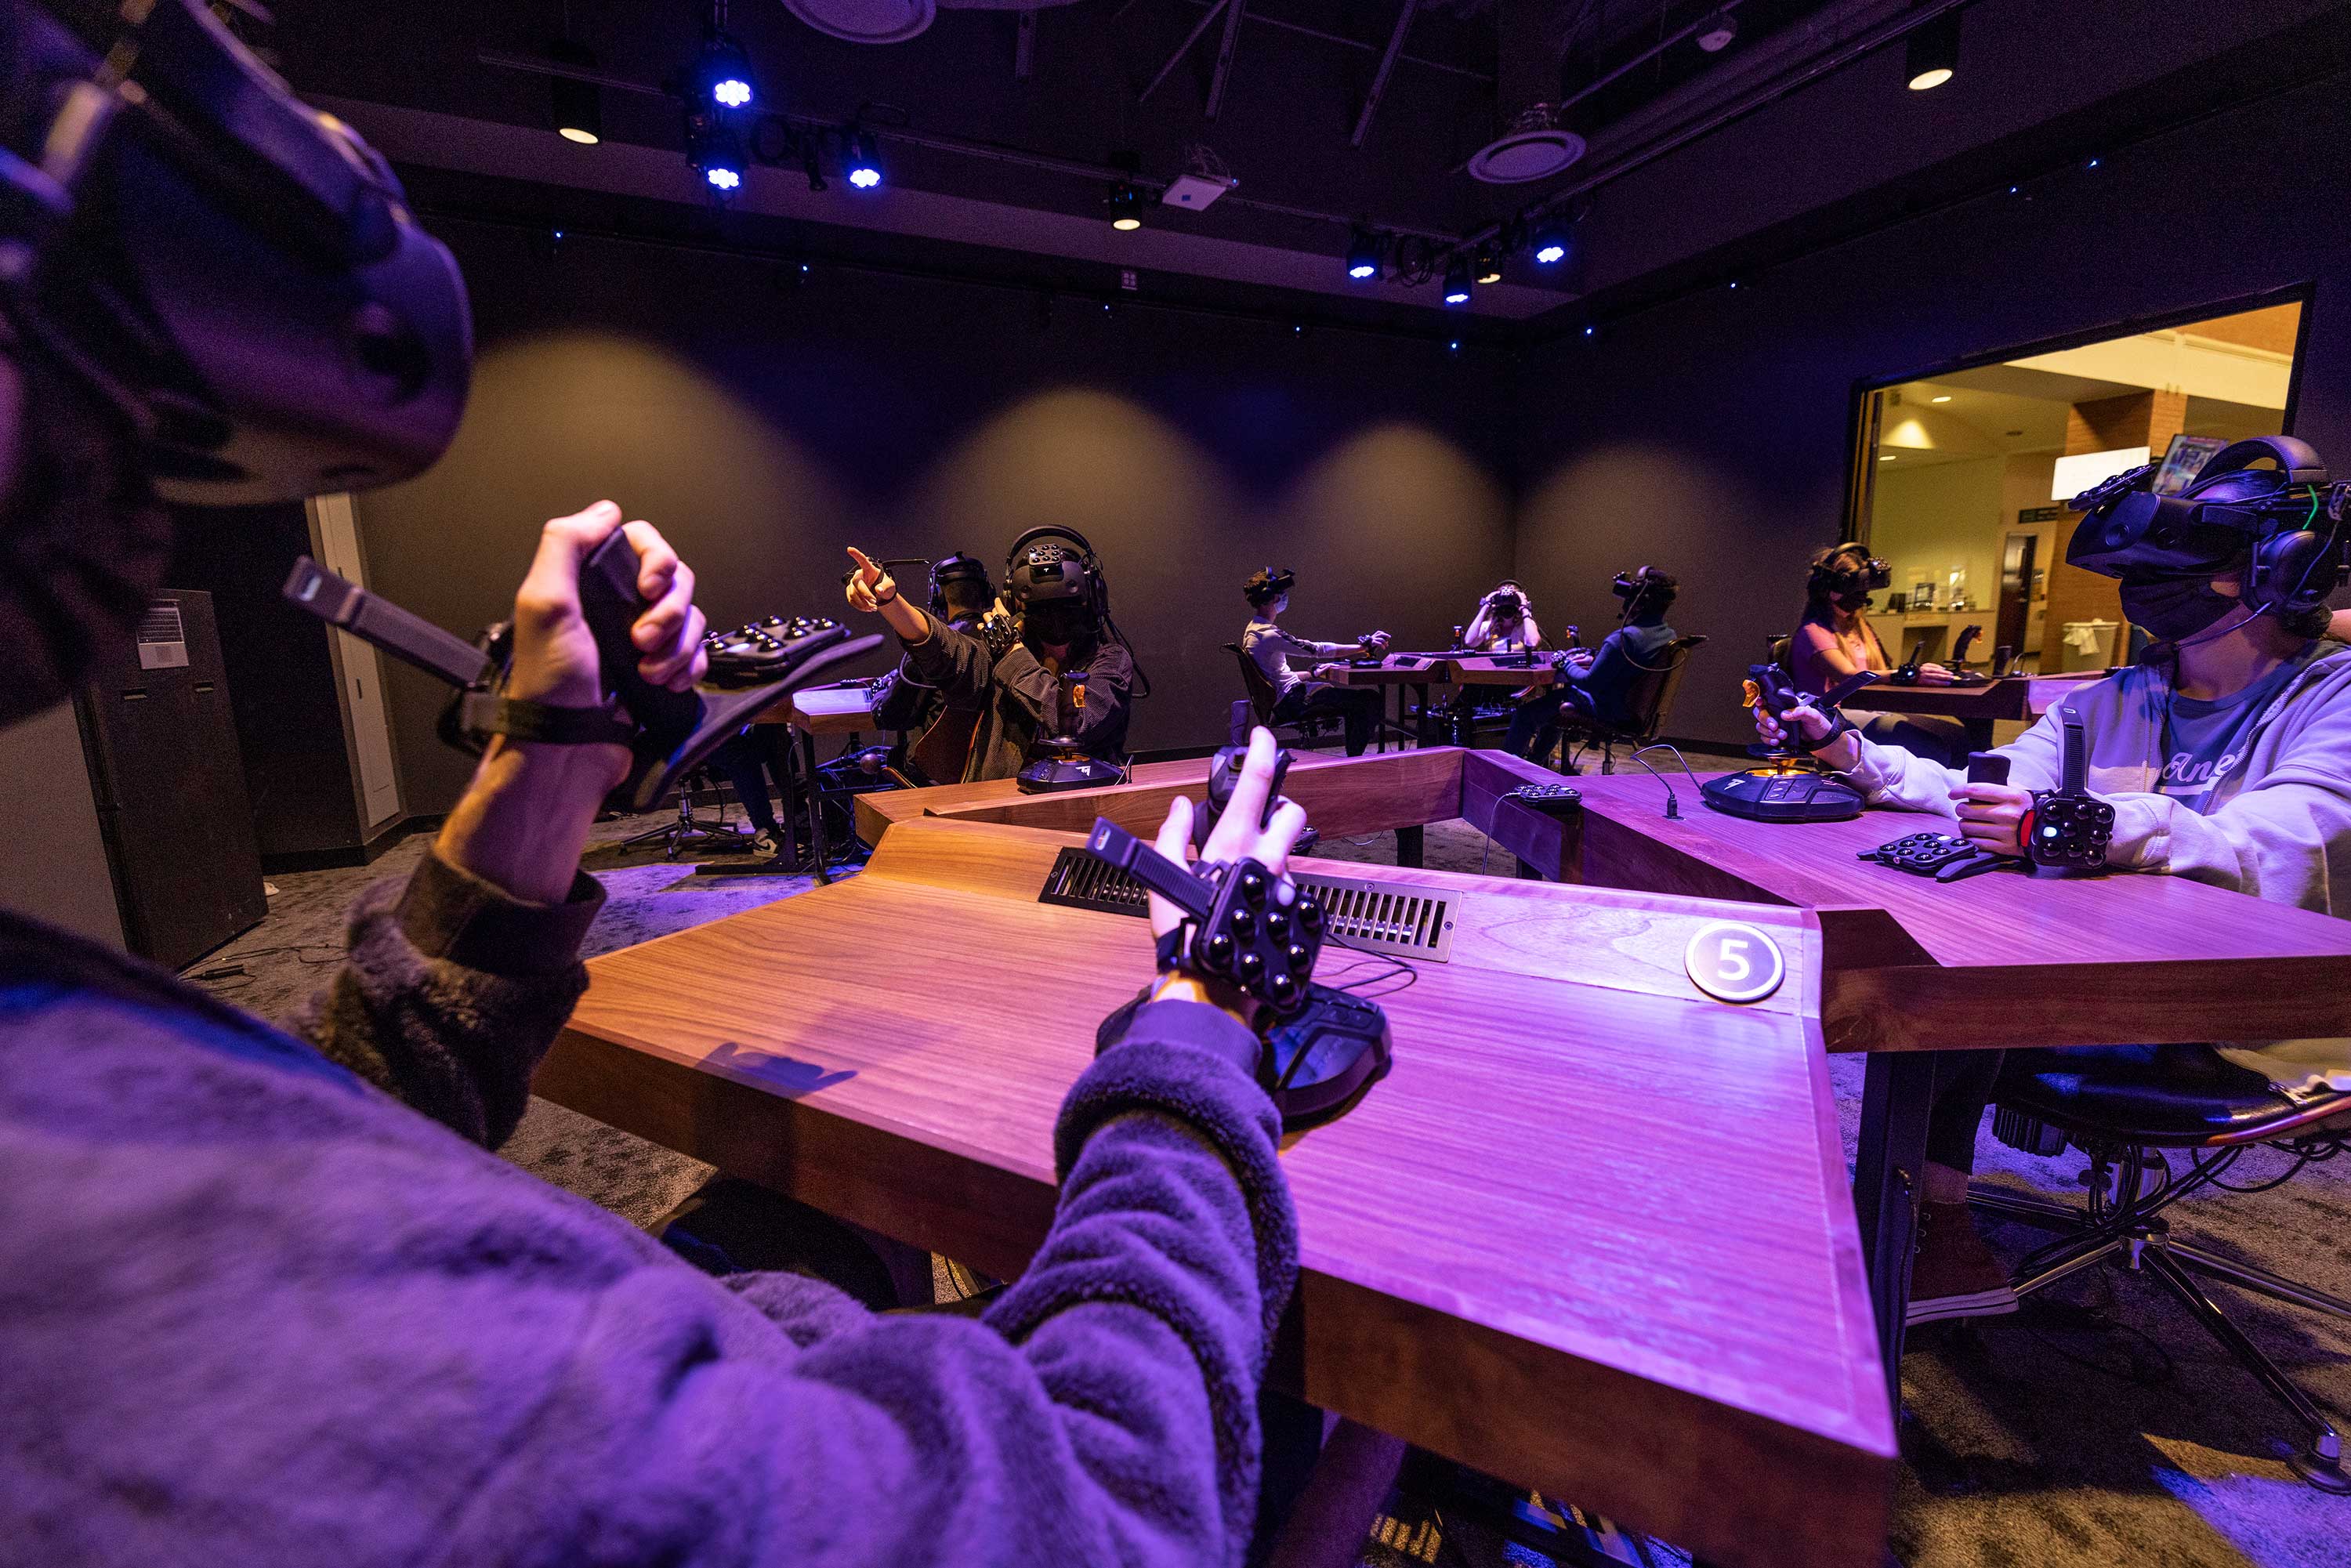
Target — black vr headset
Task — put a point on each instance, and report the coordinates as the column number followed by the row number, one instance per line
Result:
column 1268, row 584
column 237, row 274
column 956, row 568
column 1041, row 569
column 1849, row 569
column 2288, row 519
column 1643, row 589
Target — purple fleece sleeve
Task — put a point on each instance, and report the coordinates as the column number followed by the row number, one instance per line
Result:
column 451, row 994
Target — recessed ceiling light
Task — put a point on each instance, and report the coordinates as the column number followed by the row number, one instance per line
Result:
column 1940, row 397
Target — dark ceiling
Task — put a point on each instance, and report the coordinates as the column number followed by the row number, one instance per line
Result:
column 996, row 147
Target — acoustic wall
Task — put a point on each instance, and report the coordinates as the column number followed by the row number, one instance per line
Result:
column 765, row 418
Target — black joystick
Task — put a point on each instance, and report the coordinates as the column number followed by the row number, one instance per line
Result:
column 1224, row 772
column 609, row 603
column 1323, row 1048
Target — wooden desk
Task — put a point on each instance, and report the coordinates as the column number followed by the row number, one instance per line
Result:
column 2046, row 692
column 1400, row 791
column 1911, row 966
column 1514, row 1251
column 1430, row 670
column 1976, row 707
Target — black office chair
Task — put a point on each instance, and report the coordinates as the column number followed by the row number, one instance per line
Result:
column 1650, row 697
column 689, row 828
column 2122, row 1104
column 1310, row 730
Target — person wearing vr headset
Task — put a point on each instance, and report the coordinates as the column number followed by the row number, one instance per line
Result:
column 1067, row 677
column 271, row 1297
column 1597, row 686
column 2225, row 753
column 963, row 598
column 1303, row 696
column 1833, row 639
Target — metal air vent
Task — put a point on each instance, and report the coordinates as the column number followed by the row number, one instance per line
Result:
column 1394, row 918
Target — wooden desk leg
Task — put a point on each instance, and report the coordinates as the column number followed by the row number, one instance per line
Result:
column 816, row 809
column 1409, row 845
column 1898, row 1095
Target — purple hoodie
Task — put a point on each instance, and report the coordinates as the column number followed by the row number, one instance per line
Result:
column 255, row 1309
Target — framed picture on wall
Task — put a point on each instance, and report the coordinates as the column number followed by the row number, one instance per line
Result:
column 2182, row 459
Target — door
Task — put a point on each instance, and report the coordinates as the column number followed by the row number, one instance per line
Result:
column 2016, row 592
column 335, row 536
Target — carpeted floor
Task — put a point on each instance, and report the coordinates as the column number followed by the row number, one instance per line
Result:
column 2099, row 1426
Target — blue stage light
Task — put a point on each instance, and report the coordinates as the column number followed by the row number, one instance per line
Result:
column 730, row 92
column 1364, row 255
column 1456, row 283
column 864, row 165
column 722, row 178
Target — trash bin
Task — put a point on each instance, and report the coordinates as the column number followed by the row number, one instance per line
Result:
column 2087, row 645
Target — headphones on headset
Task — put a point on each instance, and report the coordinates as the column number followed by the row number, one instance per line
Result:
column 2291, row 516
column 956, row 566
column 1848, row 569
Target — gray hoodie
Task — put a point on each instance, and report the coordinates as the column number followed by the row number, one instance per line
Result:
column 2277, row 825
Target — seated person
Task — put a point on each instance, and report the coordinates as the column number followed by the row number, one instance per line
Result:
column 1597, row 686
column 963, row 598
column 1055, row 598
column 1834, row 640
column 271, row 1297
column 2226, row 753
column 743, row 759
column 1297, row 695
column 1505, row 623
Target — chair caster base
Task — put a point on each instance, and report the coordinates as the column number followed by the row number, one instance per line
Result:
column 2322, row 1474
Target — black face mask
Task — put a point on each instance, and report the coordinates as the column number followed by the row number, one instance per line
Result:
column 83, row 542
column 2172, row 610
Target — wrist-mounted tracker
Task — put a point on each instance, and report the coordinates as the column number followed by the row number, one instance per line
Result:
column 1235, row 931
column 2068, row 827
column 667, row 733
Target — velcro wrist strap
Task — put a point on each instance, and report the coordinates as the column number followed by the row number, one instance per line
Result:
column 486, row 713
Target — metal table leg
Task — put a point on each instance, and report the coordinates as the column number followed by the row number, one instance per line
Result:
column 1898, row 1095
column 1409, row 846
column 816, row 809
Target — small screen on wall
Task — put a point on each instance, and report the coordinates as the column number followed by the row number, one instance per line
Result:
column 2182, row 460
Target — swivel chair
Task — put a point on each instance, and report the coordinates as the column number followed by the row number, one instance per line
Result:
column 689, row 828
column 2124, row 1105
column 1310, row 729
column 1650, row 699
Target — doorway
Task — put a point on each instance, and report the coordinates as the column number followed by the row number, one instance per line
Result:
column 1963, row 477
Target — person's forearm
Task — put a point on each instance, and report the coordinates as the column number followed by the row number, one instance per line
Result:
column 1842, row 753
column 911, row 624
column 523, row 822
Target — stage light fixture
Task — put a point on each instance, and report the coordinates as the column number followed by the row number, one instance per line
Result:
column 718, row 154
column 1456, row 282
column 1125, row 208
column 1489, row 269
column 722, row 73
column 1364, row 255
column 865, row 164
column 1550, row 245
column 577, row 106
column 1716, row 34
column 1931, row 53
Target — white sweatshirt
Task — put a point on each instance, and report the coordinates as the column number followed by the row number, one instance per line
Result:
column 2278, row 826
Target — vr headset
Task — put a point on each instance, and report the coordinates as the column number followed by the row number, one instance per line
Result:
column 235, row 273
column 1041, row 569
column 2288, row 519
column 956, row 568
column 1268, row 584
column 1642, row 587
column 1847, row 571
column 1508, row 602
